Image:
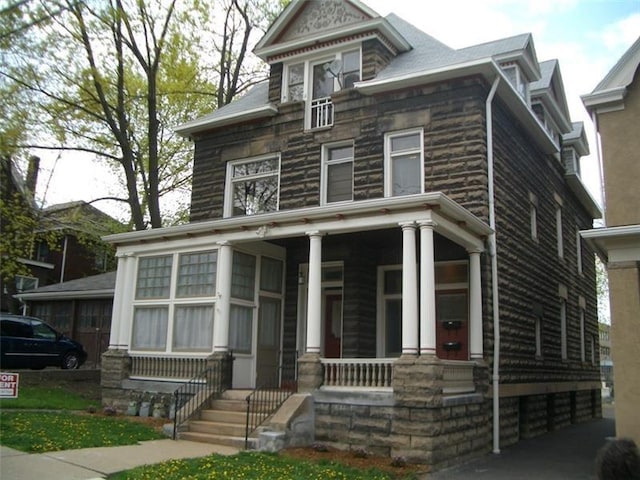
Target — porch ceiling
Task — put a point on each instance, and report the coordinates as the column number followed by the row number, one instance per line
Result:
column 450, row 219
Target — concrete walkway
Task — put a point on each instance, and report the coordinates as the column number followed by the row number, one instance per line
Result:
column 94, row 463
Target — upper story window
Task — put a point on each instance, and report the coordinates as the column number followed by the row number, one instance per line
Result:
column 559, row 229
column 516, row 78
column 252, row 186
column 337, row 174
column 404, row 163
column 315, row 79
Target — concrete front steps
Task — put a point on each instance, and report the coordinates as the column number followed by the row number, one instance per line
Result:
column 222, row 423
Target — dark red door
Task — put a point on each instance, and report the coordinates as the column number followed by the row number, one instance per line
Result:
column 332, row 325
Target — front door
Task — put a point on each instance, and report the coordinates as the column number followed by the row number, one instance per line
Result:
column 452, row 325
column 268, row 360
column 332, row 324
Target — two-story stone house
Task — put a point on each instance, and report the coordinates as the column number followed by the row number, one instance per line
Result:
column 397, row 220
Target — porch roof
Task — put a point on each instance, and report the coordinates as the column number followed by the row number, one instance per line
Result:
column 450, row 219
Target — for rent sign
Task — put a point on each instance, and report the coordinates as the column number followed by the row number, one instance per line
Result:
column 9, row 385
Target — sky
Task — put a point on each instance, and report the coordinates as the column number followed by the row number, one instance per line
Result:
column 587, row 37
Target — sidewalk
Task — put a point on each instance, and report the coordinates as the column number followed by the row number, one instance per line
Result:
column 94, row 463
column 566, row 454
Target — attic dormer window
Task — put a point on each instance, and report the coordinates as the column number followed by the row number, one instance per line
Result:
column 316, row 78
column 516, row 78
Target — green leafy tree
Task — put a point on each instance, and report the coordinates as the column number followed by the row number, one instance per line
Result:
column 111, row 79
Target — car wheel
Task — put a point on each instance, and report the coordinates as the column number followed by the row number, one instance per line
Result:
column 71, row 361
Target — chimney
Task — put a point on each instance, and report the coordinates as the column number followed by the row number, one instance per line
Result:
column 32, row 174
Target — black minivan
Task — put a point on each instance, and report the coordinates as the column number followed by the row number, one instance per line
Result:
column 28, row 342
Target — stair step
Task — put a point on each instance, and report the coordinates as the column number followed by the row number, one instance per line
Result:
column 237, row 394
column 237, row 442
column 213, row 415
column 217, row 428
column 229, row 405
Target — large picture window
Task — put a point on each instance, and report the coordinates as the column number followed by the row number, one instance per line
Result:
column 174, row 306
column 252, row 186
column 338, row 174
column 404, row 165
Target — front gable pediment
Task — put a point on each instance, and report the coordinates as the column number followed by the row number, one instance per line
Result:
column 322, row 16
column 308, row 24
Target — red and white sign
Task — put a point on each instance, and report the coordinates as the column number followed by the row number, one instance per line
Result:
column 9, row 385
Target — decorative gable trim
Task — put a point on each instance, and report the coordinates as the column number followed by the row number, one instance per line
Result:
column 332, row 43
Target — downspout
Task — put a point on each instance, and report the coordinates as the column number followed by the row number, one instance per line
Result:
column 494, row 270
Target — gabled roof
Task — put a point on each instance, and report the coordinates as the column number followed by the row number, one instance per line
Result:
column 549, row 90
column 577, row 138
column 78, row 216
column 305, row 23
column 610, row 92
column 519, row 49
column 95, row 286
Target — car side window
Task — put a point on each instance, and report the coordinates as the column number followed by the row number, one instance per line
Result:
column 42, row 331
column 15, row 329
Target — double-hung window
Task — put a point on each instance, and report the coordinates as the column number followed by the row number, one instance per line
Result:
column 404, row 163
column 337, row 174
column 252, row 186
column 174, row 302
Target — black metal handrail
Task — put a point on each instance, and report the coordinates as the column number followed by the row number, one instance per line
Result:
column 192, row 395
column 270, row 395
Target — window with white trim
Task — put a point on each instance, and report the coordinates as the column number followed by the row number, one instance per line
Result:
column 514, row 74
column 252, row 186
column 315, row 78
column 578, row 251
column 24, row 283
column 404, row 163
column 174, row 306
column 562, row 292
column 243, row 285
column 390, row 299
column 559, row 237
column 582, row 336
column 337, row 174
column 533, row 216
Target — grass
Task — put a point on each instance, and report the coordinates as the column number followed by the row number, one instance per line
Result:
column 38, row 432
column 249, row 466
column 47, row 398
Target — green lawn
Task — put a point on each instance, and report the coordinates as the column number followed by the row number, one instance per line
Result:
column 249, row 466
column 47, row 398
column 52, row 431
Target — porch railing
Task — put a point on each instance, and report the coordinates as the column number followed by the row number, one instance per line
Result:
column 369, row 373
column 264, row 401
column 166, row 368
column 457, row 377
column 321, row 112
column 193, row 395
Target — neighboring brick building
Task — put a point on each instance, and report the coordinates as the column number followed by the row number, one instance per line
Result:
column 615, row 107
column 403, row 216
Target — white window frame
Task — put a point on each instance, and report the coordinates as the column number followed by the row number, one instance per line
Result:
column 381, row 318
column 579, row 252
column 533, row 213
column 559, row 229
column 309, row 61
column 521, row 86
column 326, row 163
column 172, row 301
column 389, row 155
column 563, row 297
column 230, row 182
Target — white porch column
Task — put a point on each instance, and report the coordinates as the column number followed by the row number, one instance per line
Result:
column 314, row 298
column 475, row 306
column 114, row 335
column 223, row 305
column 427, row 290
column 125, row 310
column 409, row 290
